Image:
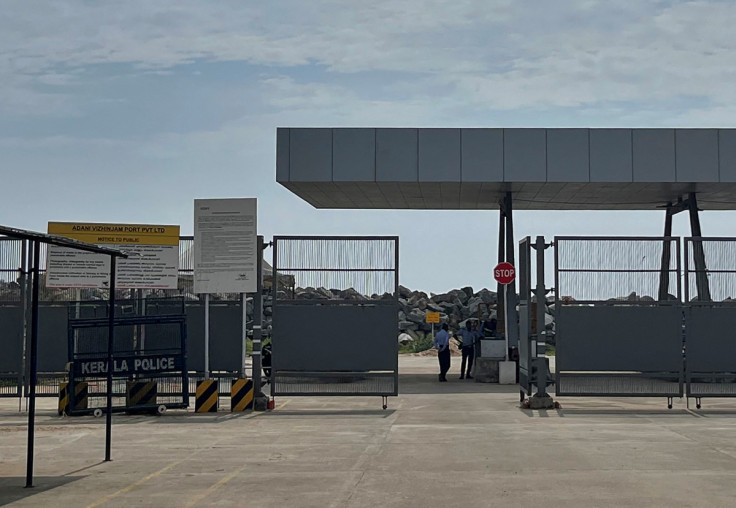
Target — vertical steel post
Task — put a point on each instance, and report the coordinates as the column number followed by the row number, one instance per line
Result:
column 244, row 335
column 110, row 366
column 274, row 307
column 258, row 318
column 664, row 271
column 27, row 318
column 207, row 336
column 541, row 294
column 33, row 364
column 701, row 270
column 396, row 302
column 500, row 300
column 24, row 308
column 512, row 326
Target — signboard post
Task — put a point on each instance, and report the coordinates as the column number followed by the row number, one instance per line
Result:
column 225, row 253
column 505, row 273
column 432, row 317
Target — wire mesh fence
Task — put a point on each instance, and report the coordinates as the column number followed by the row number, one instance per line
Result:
column 617, row 270
column 337, row 267
column 717, row 278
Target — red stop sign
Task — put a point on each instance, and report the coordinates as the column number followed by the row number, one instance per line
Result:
column 504, row 273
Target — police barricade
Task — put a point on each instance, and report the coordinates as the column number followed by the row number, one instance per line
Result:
column 149, row 369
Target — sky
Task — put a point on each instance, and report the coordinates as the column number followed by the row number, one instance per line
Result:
column 126, row 112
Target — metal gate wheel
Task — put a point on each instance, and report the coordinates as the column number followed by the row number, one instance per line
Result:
column 97, row 413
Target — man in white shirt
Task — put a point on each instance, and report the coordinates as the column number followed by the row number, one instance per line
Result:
column 442, row 345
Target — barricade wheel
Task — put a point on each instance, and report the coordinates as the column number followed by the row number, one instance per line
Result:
column 161, row 409
column 97, row 413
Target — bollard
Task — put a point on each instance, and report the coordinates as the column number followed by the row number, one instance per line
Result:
column 241, row 395
column 206, row 396
column 141, row 393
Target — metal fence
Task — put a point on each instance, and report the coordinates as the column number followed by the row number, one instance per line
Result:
column 338, row 335
column 619, row 316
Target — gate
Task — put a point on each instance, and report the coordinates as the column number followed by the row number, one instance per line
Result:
column 710, row 317
column 335, row 316
column 619, row 329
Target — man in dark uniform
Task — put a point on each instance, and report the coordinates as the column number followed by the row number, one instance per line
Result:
column 442, row 345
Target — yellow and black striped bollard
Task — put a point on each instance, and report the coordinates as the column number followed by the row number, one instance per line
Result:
column 80, row 397
column 241, row 395
column 141, row 393
column 206, row 396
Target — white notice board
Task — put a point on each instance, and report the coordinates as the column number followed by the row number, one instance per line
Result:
column 225, row 257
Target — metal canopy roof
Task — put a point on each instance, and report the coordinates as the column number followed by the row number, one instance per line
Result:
column 545, row 169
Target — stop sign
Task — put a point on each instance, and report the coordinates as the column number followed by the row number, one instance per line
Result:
column 504, row 273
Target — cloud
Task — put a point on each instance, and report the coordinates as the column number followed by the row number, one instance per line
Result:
column 492, row 55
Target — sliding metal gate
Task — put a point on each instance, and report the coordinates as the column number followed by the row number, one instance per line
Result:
column 617, row 333
column 335, row 316
column 710, row 317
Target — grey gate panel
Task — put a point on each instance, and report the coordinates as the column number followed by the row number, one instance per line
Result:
column 53, row 353
column 614, row 335
column 11, row 345
column 226, row 337
column 619, row 350
column 335, row 328
column 11, row 338
column 710, row 317
column 327, row 336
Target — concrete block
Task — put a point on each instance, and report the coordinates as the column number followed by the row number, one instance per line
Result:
column 490, row 348
column 485, row 370
column 507, row 373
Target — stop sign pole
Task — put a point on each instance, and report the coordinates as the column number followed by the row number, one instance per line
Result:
column 505, row 273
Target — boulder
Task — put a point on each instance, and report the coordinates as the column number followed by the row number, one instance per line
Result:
column 487, row 296
column 474, row 303
column 325, row 293
column 468, row 290
column 405, row 338
column 407, row 325
column 416, row 316
column 404, row 292
column 460, row 295
column 433, row 307
column 443, row 298
column 351, row 295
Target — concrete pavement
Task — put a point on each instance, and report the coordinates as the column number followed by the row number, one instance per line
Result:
column 452, row 444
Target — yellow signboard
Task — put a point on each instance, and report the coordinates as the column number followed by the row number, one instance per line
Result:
column 152, row 262
column 119, row 234
column 433, row 317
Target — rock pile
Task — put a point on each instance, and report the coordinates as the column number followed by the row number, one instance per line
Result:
column 454, row 307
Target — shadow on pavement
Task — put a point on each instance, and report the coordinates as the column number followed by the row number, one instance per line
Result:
column 13, row 488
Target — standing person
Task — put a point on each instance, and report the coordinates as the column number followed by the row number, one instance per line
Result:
column 469, row 336
column 442, row 345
